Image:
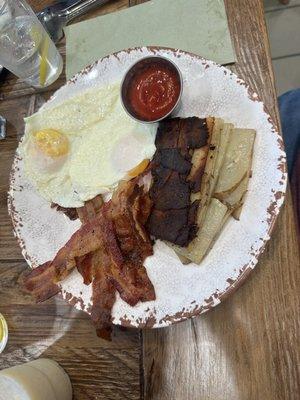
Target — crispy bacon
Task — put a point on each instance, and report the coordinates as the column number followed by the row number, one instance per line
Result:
column 84, row 241
column 40, row 281
column 104, row 294
column 130, row 208
column 71, row 213
column 109, row 251
column 90, row 209
column 84, row 265
column 84, row 213
column 106, row 259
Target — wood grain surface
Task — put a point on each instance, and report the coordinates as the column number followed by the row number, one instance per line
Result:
column 245, row 349
column 98, row 369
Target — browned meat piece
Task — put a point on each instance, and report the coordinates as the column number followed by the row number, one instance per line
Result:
column 182, row 133
column 172, row 159
column 173, row 216
column 167, row 134
column 171, row 192
column 169, row 225
column 175, row 226
column 193, row 133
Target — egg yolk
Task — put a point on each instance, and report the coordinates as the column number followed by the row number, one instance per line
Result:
column 138, row 169
column 52, row 143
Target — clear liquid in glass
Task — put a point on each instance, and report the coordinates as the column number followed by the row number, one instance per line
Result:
column 29, row 52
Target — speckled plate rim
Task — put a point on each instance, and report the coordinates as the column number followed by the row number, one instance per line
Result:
column 273, row 210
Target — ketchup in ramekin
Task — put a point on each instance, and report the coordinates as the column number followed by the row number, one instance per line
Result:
column 151, row 89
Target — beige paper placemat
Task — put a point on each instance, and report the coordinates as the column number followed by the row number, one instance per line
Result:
column 198, row 26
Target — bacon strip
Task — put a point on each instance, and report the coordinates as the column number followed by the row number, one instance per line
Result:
column 87, row 239
column 71, row 213
column 109, row 251
column 104, row 295
column 129, row 210
column 104, row 260
column 84, row 265
column 41, row 281
column 90, row 209
column 85, row 213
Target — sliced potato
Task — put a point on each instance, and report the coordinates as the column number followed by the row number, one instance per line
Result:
column 199, row 159
column 236, row 198
column 225, row 218
column 223, row 188
column 233, row 199
column 237, row 212
column 202, row 156
column 217, row 214
column 215, row 129
column 223, row 195
column 225, row 135
column 236, row 161
column 238, row 206
column 210, row 121
column 207, row 181
column 183, row 259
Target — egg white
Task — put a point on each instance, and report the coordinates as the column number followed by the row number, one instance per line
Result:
column 105, row 143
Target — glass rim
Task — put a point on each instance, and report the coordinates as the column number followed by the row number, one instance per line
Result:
column 4, row 338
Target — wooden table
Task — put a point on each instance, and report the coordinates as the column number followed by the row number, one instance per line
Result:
column 246, row 348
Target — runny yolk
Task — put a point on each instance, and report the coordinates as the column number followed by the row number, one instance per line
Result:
column 51, row 142
column 138, row 169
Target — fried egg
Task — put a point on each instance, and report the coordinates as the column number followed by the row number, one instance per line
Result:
column 84, row 146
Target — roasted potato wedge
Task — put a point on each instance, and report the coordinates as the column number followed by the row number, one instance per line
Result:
column 223, row 186
column 225, row 135
column 236, row 162
column 216, row 216
column 183, row 259
column 237, row 212
column 207, row 185
column 215, row 126
column 233, row 198
column 200, row 156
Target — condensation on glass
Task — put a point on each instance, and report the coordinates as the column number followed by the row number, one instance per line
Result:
column 25, row 47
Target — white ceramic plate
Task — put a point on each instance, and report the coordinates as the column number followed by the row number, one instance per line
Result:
column 182, row 291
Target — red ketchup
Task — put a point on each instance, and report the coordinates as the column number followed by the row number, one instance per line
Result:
column 153, row 92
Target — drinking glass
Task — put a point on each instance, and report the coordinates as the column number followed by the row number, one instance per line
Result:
column 3, row 333
column 25, row 47
column 41, row 379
